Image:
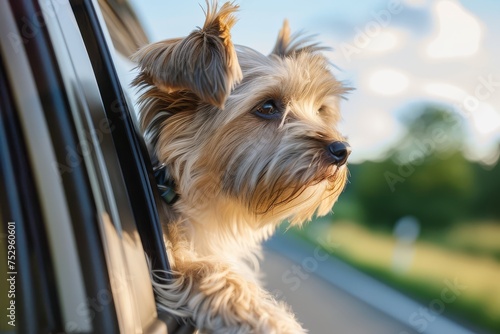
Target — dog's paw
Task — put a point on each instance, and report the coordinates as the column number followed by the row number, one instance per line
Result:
column 227, row 303
column 220, row 301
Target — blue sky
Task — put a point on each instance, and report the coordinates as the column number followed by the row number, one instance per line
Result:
column 395, row 53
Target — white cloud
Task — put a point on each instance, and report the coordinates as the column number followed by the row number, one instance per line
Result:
column 416, row 3
column 445, row 90
column 459, row 32
column 388, row 82
column 486, row 120
column 385, row 41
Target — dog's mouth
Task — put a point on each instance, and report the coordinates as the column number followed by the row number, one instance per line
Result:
column 317, row 188
column 333, row 172
column 326, row 170
column 322, row 172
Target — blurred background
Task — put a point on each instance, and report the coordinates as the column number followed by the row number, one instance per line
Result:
column 421, row 213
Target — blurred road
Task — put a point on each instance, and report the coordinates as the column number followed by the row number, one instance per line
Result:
column 331, row 297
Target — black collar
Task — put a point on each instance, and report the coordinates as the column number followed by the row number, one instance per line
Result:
column 165, row 184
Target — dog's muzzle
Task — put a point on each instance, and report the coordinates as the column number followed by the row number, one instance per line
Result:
column 338, row 152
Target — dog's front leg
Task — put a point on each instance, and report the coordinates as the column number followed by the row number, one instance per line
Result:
column 222, row 301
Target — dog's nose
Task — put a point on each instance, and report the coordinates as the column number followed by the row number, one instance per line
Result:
column 339, row 152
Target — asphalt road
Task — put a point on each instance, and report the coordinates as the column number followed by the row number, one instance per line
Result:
column 331, row 297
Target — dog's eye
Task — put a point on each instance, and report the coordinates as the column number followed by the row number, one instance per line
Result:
column 268, row 110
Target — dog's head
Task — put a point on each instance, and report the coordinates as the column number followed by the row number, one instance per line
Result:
column 238, row 127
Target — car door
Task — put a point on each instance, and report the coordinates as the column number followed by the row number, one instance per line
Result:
column 76, row 183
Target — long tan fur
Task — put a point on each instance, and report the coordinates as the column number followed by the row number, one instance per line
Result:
column 237, row 174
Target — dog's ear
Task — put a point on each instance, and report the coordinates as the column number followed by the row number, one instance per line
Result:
column 289, row 45
column 204, row 62
column 283, row 41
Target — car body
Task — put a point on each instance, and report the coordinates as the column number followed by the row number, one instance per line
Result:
column 76, row 182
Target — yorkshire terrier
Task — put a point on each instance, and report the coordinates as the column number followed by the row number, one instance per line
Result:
column 249, row 141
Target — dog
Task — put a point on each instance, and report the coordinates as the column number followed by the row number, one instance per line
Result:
column 248, row 141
